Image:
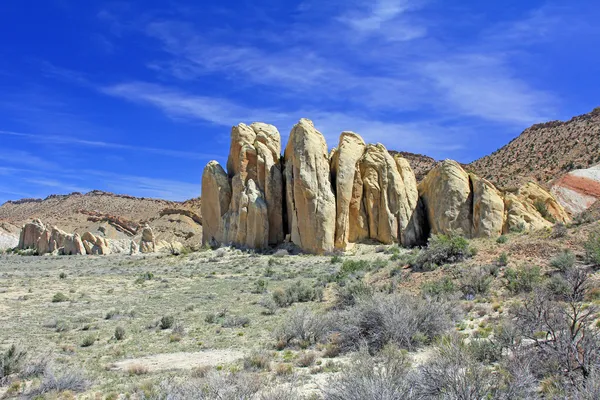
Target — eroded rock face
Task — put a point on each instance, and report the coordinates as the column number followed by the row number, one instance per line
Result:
column 30, row 234
column 252, row 189
column 488, row 208
column 532, row 208
column 416, row 230
column 216, row 197
column 350, row 223
column 310, row 200
column 447, row 197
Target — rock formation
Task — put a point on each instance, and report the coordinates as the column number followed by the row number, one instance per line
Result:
column 52, row 240
column 309, row 195
column 245, row 205
column 357, row 191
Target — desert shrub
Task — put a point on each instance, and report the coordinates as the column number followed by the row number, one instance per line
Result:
column 166, row 322
column 453, row 373
column 72, row 381
column 146, row 276
column 559, row 230
column 502, row 239
column 558, row 286
column 347, row 294
column 281, row 253
column 541, row 207
column 258, row 361
column 336, row 259
column 404, row 320
column 299, row 292
column 353, row 267
column 210, row 318
column 475, row 281
column 522, row 279
column 235, row 322
column 485, row 350
column 306, row 359
column 216, row 385
column 260, row 286
column 119, row 333
column 11, row 361
column 62, row 275
column 88, row 341
column 385, row 377
column 503, row 259
column 441, row 288
column 59, row 298
column 137, row 369
column 303, row 326
column 440, row 250
column 270, row 306
column 592, row 248
column 564, row 261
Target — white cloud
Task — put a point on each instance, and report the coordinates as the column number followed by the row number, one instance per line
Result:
column 60, row 139
column 483, row 86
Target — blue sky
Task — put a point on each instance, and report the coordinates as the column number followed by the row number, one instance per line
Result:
column 136, row 96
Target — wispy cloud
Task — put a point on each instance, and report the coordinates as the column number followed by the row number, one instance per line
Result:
column 61, row 139
column 483, row 86
column 384, row 17
column 24, row 158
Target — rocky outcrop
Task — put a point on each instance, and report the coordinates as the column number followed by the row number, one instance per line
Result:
column 30, row 234
column 532, row 208
column 309, row 195
column 355, row 192
column 148, row 240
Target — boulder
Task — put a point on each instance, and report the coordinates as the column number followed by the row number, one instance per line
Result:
column 30, row 234
column 488, row 208
column 310, row 200
column 447, row 198
column 43, row 243
column 101, row 246
column 350, row 223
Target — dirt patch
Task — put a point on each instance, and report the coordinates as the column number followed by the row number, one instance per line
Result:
column 183, row 360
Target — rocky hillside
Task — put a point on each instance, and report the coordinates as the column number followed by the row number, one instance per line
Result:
column 419, row 163
column 544, row 152
column 118, row 216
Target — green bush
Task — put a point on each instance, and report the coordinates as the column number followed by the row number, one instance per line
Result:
column 88, row 341
column 260, row 286
column 299, row 292
column 438, row 289
column 564, row 261
column 11, row 361
column 348, row 294
column 336, row 259
column 119, row 333
column 475, row 281
column 59, row 297
column 541, row 207
column 502, row 239
column 440, row 250
column 592, row 248
column 503, row 260
column 523, row 279
column 350, row 267
column 166, row 322
column 62, row 275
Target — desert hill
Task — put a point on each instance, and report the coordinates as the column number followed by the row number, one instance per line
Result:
column 544, row 152
column 120, row 216
column 419, row 163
